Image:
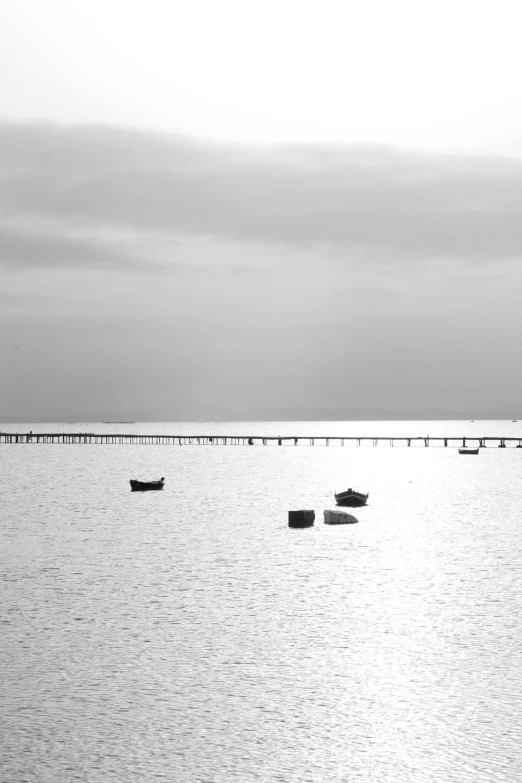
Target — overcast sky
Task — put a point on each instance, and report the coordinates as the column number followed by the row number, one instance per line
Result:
column 217, row 210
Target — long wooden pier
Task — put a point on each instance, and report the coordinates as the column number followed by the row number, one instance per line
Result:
column 255, row 440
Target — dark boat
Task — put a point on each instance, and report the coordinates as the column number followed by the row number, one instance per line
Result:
column 143, row 486
column 351, row 498
column 468, row 450
column 301, row 518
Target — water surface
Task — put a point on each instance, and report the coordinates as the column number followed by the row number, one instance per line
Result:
column 191, row 635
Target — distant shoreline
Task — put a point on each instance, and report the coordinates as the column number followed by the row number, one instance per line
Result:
column 348, row 420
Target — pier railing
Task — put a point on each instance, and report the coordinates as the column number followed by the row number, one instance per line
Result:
column 255, row 440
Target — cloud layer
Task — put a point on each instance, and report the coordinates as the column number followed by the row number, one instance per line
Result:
column 145, row 272
column 375, row 201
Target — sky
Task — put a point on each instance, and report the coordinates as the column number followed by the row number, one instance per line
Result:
column 239, row 210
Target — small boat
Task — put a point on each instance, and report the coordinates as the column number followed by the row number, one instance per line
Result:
column 351, row 498
column 339, row 518
column 468, row 450
column 301, row 518
column 143, row 486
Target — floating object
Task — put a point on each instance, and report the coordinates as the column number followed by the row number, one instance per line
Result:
column 301, row 518
column 351, row 498
column 468, row 450
column 339, row 518
column 143, row 486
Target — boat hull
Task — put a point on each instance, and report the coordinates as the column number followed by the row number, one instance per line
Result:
column 146, row 486
column 468, row 451
column 339, row 518
column 351, row 499
column 301, row 518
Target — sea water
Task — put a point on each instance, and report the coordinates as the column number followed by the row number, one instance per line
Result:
column 191, row 635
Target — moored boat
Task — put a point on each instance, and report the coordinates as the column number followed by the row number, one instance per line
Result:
column 468, row 450
column 351, row 498
column 304, row 518
column 143, row 486
column 339, row 518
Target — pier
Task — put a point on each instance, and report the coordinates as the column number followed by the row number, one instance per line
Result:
column 255, row 440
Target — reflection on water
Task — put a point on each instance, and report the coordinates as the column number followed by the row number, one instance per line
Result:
column 191, row 635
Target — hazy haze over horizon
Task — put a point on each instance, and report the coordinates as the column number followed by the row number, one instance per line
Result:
column 292, row 227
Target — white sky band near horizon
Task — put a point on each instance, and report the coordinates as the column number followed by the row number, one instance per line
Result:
column 430, row 75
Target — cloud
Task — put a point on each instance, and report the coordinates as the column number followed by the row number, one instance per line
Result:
column 37, row 250
column 378, row 203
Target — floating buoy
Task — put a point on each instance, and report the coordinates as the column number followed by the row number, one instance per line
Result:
column 339, row 518
column 301, row 518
